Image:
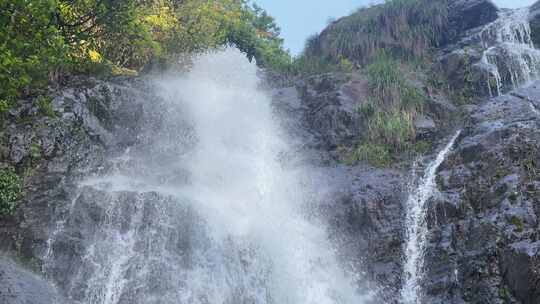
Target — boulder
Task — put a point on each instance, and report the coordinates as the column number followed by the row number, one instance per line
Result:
column 425, row 127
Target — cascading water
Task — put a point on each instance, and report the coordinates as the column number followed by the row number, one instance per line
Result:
column 201, row 211
column 416, row 233
column 534, row 109
column 509, row 53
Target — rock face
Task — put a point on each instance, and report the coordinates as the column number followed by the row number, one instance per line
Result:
column 534, row 20
column 364, row 209
column 484, row 224
column 483, row 244
column 484, row 228
column 53, row 154
column 96, row 219
column 468, row 14
column 361, row 204
column 19, row 286
column 521, row 265
column 327, row 107
column 495, row 54
column 330, row 112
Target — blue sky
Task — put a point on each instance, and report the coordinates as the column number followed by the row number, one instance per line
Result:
column 299, row 19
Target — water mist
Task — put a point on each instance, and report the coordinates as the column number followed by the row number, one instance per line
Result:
column 201, row 210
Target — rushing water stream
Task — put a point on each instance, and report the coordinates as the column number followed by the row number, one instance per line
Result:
column 203, row 212
column 417, row 233
column 509, row 56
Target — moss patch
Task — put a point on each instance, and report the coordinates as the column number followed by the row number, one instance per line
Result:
column 517, row 222
column 44, row 104
column 375, row 155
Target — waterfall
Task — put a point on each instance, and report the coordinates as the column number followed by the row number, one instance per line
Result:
column 509, row 54
column 534, row 109
column 416, row 233
column 493, row 71
column 201, row 210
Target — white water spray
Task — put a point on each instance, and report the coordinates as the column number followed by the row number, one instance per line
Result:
column 509, row 55
column 204, row 212
column 416, row 234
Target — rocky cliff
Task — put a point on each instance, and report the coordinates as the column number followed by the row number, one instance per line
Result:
column 483, row 242
column 482, row 223
column 52, row 153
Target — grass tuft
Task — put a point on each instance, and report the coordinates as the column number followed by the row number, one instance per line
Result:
column 374, row 154
column 405, row 28
column 393, row 104
column 45, row 106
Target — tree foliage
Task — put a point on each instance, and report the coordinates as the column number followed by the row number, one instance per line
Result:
column 40, row 39
column 29, row 45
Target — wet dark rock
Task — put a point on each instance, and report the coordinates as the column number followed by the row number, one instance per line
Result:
column 521, row 268
column 54, row 153
column 534, row 20
column 325, row 113
column 462, row 63
column 330, row 112
column 530, row 94
column 484, row 223
column 459, row 66
column 20, row 286
column 364, row 206
column 468, row 14
column 425, row 127
column 99, row 218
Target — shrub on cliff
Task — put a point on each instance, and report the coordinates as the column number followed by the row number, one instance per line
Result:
column 405, row 28
column 10, row 191
column 393, row 104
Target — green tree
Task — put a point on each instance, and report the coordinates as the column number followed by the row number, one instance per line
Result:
column 115, row 29
column 41, row 39
column 29, row 45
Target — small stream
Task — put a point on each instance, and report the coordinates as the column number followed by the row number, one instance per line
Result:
column 416, row 229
